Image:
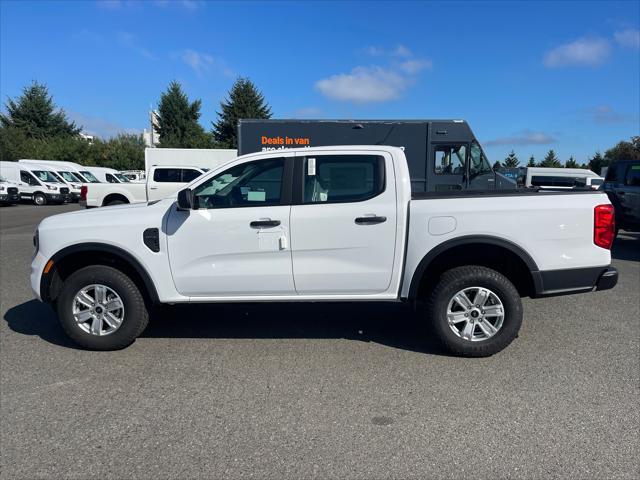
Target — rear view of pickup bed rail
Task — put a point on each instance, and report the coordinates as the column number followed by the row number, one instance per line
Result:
column 325, row 224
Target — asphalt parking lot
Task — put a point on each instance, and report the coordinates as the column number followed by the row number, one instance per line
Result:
column 318, row 391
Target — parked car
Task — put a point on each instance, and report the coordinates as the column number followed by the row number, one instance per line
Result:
column 162, row 181
column 543, row 177
column 35, row 183
column 622, row 185
column 325, row 224
column 9, row 192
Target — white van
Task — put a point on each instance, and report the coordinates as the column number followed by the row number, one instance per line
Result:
column 9, row 192
column 107, row 175
column 78, row 170
column 563, row 178
column 36, row 182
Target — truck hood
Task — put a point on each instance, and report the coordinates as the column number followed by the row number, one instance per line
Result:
column 116, row 216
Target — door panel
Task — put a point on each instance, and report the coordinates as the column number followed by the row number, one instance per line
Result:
column 341, row 246
column 216, row 252
column 236, row 242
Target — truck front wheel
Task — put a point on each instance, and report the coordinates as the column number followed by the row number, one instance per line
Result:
column 475, row 311
column 101, row 308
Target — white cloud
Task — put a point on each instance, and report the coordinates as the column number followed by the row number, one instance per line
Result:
column 524, row 137
column 398, row 51
column 628, row 38
column 376, row 83
column 588, row 52
column 191, row 5
column 416, row 65
column 363, row 85
column 202, row 63
column 128, row 40
column 402, row 51
column 605, row 114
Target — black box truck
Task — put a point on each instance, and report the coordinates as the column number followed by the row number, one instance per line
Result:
column 443, row 155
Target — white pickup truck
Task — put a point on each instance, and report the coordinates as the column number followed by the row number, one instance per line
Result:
column 325, row 224
column 161, row 181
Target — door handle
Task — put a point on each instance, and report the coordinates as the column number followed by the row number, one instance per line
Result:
column 264, row 223
column 153, row 188
column 370, row 220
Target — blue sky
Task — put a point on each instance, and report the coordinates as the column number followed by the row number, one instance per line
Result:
column 528, row 76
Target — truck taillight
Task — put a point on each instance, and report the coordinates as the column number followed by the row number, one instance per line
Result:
column 83, row 193
column 604, row 226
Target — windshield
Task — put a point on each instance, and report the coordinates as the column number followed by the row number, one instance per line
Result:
column 89, row 176
column 69, row 177
column 45, row 176
column 121, row 177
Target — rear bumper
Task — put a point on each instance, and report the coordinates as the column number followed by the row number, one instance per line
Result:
column 576, row 280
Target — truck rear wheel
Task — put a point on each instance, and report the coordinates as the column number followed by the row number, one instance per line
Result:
column 475, row 311
column 101, row 308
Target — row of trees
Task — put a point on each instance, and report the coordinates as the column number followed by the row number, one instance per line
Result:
column 33, row 127
column 626, row 150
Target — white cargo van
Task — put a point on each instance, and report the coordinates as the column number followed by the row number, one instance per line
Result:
column 107, row 175
column 77, row 169
column 36, row 183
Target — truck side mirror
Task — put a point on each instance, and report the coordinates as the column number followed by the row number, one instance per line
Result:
column 185, row 199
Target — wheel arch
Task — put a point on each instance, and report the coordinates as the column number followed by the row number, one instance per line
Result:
column 503, row 255
column 115, row 196
column 74, row 257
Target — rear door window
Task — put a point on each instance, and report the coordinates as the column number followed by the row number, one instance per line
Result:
column 167, row 175
column 342, row 178
column 189, row 175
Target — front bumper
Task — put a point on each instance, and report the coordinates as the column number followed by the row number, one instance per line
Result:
column 37, row 266
column 576, row 280
column 58, row 197
column 9, row 198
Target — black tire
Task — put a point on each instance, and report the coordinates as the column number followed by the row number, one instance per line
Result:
column 457, row 279
column 115, row 202
column 40, row 199
column 135, row 319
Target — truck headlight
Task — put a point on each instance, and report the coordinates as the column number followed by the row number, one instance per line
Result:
column 52, row 187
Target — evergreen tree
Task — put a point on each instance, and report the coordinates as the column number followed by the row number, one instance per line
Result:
column 597, row 162
column 245, row 101
column 532, row 161
column 497, row 165
column 178, row 120
column 550, row 160
column 35, row 115
column 512, row 160
column 571, row 163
